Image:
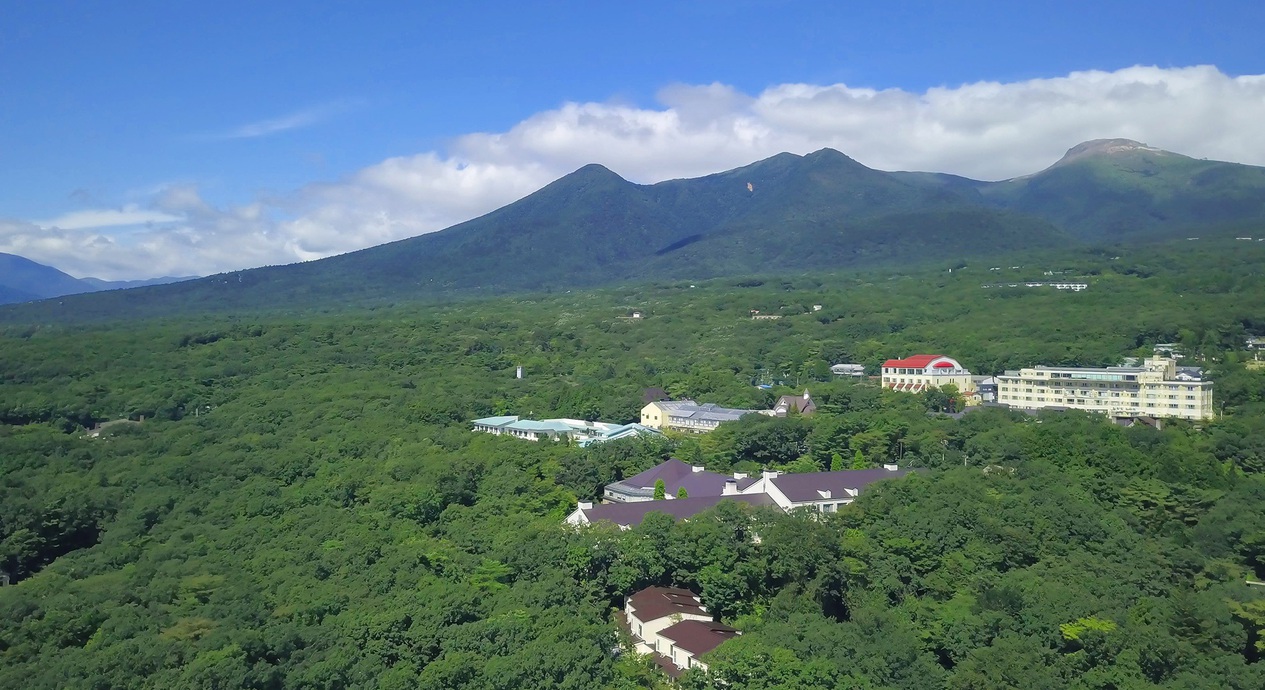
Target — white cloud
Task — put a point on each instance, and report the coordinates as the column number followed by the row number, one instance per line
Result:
column 985, row 130
column 130, row 214
column 302, row 118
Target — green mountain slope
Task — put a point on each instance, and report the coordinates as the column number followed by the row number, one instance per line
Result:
column 786, row 213
column 1121, row 189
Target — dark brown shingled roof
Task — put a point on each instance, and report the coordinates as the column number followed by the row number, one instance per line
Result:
column 629, row 514
column 697, row 637
column 653, row 603
column 654, row 395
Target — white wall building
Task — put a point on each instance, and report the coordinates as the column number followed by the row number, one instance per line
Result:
column 673, row 626
column 824, row 492
column 1152, row 390
column 920, row 372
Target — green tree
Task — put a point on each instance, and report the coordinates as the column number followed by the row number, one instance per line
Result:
column 682, row 493
column 858, row 461
column 836, row 462
column 660, row 490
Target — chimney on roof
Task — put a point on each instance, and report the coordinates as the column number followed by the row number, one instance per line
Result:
column 696, row 468
column 805, row 395
column 891, row 467
column 586, row 505
column 769, row 474
column 740, row 475
column 731, row 488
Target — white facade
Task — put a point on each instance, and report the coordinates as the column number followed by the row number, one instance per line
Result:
column 829, row 491
column 1152, row 390
column 646, row 628
column 921, row 372
column 853, row 370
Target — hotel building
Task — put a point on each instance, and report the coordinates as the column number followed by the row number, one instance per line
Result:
column 1151, row 390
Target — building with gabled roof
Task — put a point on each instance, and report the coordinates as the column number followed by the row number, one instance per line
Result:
column 921, row 372
column 654, row 394
column 822, row 491
column 629, row 515
column 672, row 625
column 797, row 404
column 676, row 475
column 687, row 415
column 688, row 640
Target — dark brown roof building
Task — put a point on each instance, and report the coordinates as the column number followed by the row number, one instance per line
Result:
column 628, row 515
column 676, row 475
column 654, row 395
column 673, row 626
column 653, row 603
column 697, row 637
column 798, row 404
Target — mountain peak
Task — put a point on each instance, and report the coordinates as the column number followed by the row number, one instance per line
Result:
column 595, row 170
column 1105, row 147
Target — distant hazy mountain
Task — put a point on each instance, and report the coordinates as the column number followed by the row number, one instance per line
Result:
column 23, row 280
column 786, row 213
column 100, row 284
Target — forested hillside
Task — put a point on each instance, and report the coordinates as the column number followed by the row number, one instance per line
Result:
column 305, row 506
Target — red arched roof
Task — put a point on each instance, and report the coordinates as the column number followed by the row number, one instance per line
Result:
column 915, row 362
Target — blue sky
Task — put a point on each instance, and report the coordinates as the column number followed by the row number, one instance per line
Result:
column 146, row 137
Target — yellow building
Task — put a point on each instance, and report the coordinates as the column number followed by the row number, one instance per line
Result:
column 687, row 415
column 1155, row 389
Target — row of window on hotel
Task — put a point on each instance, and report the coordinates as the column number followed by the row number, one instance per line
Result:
column 1171, row 388
column 1149, row 396
column 1074, row 401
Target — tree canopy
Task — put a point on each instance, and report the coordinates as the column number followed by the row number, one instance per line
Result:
column 304, row 504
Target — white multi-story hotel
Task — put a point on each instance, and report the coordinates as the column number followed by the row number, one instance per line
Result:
column 1152, row 390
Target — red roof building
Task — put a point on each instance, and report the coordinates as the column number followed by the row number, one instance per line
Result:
column 921, row 372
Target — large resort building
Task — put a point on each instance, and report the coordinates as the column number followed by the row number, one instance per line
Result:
column 1155, row 389
column 628, row 501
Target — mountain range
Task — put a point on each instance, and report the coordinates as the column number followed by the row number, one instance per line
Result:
column 23, row 280
column 786, row 213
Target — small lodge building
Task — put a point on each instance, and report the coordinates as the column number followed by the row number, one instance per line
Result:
column 673, row 627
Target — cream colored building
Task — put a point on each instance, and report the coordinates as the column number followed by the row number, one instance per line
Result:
column 1151, row 390
column 921, row 372
column 687, row 415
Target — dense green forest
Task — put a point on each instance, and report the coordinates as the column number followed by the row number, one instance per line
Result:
column 305, row 506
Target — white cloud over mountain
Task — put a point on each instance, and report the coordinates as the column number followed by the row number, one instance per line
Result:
column 985, row 130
